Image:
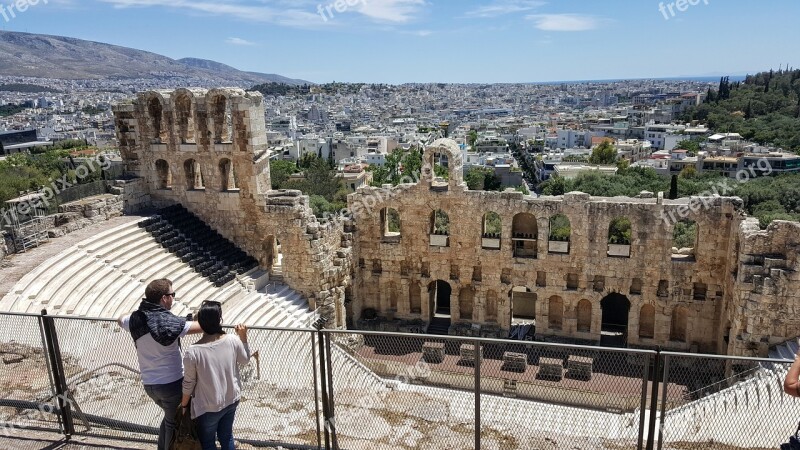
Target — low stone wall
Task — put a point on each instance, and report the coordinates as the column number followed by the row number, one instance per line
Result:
column 82, row 213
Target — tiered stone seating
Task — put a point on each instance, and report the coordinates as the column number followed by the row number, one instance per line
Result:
column 105, row 277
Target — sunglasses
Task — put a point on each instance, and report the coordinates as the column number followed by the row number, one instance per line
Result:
column 171, row 294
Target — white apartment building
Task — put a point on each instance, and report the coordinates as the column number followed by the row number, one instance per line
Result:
column 663, row 136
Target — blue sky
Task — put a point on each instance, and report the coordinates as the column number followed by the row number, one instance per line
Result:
column 398, row 41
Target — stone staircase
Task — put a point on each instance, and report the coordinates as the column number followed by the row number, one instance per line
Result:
column 105, row 277
column 439, row 326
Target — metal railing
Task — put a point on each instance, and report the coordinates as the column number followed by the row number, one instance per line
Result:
column 337, row 389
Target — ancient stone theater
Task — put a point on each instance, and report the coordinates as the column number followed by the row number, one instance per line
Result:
column 433, row 256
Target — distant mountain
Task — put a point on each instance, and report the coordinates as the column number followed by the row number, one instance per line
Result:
column 216, row 67
column 44, row 56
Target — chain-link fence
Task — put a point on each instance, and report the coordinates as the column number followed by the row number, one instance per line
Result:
column 723, row 402
column 369, row 390
column 27, row 400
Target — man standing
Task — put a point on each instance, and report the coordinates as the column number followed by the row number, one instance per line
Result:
column 156, row 334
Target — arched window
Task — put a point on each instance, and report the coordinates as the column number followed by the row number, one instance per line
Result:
column 524, row 234
column 647, row 322
column 491, row 306
column 184, row 117
column 194, row 175
column 523, row 304
column 439, row 228
column 415, row 297
column 227, row 176
column 620, row 236
column 390, row 223
column 492, row 229
column 677, row 329
column 560, row 234
column 156, row 113
column 163, row 174
column 584, row 316
column 223, row 120
column 392, row 294
column 684, row 240
column 555, row 312
column 466, row 299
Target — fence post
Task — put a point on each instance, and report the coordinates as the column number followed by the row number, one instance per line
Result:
column 316, row 388
column 654, row 400
column 328, row 420
column 57, row 374
column 665, row 381
column 643, row 405
column 331, row 405
column 478, row 361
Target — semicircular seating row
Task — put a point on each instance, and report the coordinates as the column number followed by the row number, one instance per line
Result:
column 105, row 277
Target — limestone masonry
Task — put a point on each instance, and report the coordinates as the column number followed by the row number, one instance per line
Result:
column 471, row 262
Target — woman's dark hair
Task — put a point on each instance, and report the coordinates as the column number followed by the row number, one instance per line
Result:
column 210, row 318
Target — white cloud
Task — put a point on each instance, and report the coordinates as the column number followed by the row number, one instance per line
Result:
column 564, row 22
column 503, row 7
column 233, row 8
column 238, row 41
column 398, row 11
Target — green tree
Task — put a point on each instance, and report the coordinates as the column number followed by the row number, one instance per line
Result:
column 673, row 188
column 279, row 172
column 472, row 137
column 474, row 178
column 604, row 153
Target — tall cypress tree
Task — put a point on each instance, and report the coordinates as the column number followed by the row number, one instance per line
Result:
column 673, row 188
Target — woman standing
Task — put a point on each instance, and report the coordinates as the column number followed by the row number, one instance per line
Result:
column 211, row 379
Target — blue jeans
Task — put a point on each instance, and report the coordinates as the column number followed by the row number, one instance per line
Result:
column 168, row 398
column 217, row 425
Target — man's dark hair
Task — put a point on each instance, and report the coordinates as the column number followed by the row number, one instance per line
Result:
column 157, row 289
column 210, row 318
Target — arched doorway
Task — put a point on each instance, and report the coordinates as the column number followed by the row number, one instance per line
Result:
column 439, row 303
column 614, row 326
column 439, row 292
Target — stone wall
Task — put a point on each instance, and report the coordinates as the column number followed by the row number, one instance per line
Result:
column 207, row 150
column 733, row 292
column 396, row 275
column 766, row 310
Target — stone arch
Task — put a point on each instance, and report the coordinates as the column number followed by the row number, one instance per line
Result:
column 415, row 297
column 194, row 175
column 184, row 116
column 491, row 306
column 560, row 234
column 615, row 315
column 555, row 313
column 439, row 295
column 685, row 234
column 439, row 223
column 221, row 115
column 163, row 175
column 155, row 117
column 391, row 291
column 523, row 304
column 647, row 322
column 492, row 225
column 390, row 223
column 524, row 235
column 678, row 324
column 449, row 150
column 584, row 316
column 466, row 301
column 620, row 237
column 227, row 175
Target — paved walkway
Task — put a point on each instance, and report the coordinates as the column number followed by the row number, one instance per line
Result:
column 14, row 267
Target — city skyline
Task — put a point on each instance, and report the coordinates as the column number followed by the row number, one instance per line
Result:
column 406, row 41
